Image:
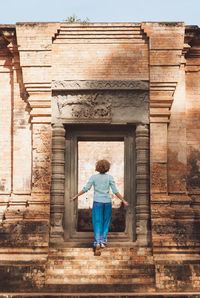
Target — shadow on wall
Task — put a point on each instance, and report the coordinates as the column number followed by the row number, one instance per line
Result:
column 125, row 64
column 22, row 90
column 176, row 172
column 193, row 169
column 193, row 186
column 122, row 62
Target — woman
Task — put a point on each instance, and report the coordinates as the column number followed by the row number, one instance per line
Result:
column 102, row 207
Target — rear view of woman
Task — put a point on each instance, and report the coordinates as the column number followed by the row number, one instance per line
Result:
column 102, row 206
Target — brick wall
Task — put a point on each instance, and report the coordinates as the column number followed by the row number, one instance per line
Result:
column 102, row 51
column 166, row 54
column 6, row 121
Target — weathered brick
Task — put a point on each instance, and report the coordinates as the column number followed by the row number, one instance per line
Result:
column 154, row 52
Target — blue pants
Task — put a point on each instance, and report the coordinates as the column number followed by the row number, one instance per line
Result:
column 101, row 217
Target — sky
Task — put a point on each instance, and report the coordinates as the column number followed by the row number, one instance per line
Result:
column 188, row 11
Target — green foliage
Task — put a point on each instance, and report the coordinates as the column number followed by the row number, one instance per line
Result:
column 75, row 19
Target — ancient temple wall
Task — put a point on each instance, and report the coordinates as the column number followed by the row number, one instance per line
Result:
column 46, row 52
column 34, row 44
column 21, row 134
column 192, row 134
column 176, row 216
column 30, row 68
column 6, row 101
column 27, row 131
column 100, row 61
column 118, row 52
column 174, row 226
column 193, row 131
column 177, row 151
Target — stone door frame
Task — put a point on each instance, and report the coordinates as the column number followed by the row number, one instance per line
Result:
column 59, row 150
column 95, row 133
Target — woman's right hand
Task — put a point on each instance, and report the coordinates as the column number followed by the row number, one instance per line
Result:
column 73, row 198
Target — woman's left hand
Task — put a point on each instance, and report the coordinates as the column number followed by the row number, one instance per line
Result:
column 125, row 203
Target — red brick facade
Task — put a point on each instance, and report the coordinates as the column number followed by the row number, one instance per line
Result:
column 35, row 55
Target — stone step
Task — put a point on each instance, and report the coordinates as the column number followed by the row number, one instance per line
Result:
column 105, row 252
column 99, row 263
column 136, row 30
column 102, row 271
column 108, row 250
column 103, row 255
column 98, row 279
column 137, row 250
column 93, row 265
column 103, row 290
column 119, row 40
column 102, row 35
column 103, row 259
column 131, row 266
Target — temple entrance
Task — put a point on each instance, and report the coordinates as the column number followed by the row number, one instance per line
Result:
column 84, row 146
column 89, row 152
column 102, row 111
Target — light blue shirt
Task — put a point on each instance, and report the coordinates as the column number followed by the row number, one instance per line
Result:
column 102, row 184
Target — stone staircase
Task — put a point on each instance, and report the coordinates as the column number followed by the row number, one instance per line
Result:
column 125, row 269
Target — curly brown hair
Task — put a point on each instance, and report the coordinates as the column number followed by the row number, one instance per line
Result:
column 102, row 166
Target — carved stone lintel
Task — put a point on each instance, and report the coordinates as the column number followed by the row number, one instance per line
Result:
column 83, row 105
column 57, row 183
column 112, row 105
column 142, row 185
column 100, row 85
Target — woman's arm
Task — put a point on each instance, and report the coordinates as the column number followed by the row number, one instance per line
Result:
column 115, row 191
column 122, row 199
column 85, row 188
column 78, row 194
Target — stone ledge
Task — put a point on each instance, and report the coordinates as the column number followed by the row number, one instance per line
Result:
column 100, row 85
column 107, row 294
column 91, row 289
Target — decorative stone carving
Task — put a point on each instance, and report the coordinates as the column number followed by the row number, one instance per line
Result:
column 87, row 105
column 100, row 85
column 120, row 105
column 142, row 185
column 57, row 183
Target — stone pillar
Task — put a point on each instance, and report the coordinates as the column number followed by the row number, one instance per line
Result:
column 57, row 183
column 142, row 182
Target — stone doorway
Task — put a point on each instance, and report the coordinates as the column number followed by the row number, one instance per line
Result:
column 100, row 111
column 77, row 219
